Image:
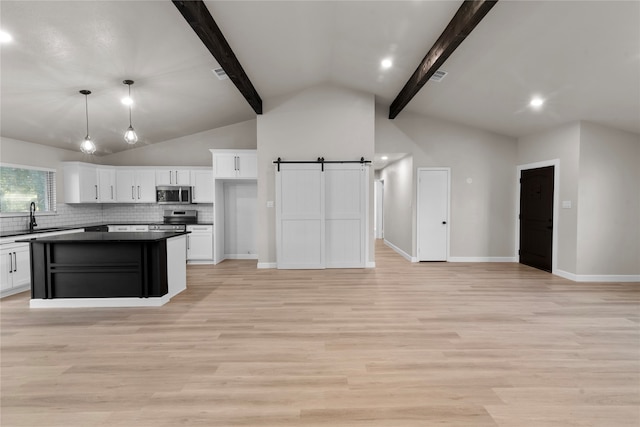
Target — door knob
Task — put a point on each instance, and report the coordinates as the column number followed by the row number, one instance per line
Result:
column 444, row 222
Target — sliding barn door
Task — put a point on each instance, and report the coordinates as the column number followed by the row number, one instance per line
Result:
column 300, row 216
column 345, row 222
column 321, row 216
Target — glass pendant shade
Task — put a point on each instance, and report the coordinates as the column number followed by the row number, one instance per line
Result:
column 130, row 136
column 87, row 146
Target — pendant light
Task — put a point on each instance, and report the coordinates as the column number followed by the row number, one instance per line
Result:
column 130, row 136
column 87, row 146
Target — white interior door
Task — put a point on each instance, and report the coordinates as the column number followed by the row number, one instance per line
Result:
column 345, row 221
column 300, row 216
column 433, row 214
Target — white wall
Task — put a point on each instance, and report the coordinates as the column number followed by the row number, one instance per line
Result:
column 30, row 154
column 562, row 143
column 398, row 203
column 321, row 121
column 191, row 150
column 608, row 241
column 483, row 211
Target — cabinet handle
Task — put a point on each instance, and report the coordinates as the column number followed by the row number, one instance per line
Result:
column 188, row 243
column 96, row 191
column 112, row 192
column 15, row 263
column 138, row 192
column 10, row 263
column 176, row 175
column 170, row 177
column 133, row 197
column 237, row 161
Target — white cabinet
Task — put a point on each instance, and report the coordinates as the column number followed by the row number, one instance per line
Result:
column 173, row 176
column 80, row 183
column 128, row 228
column 235, row 164
column 14, row 266
column 136, row 186
column 202, row 186
column 200, row 243
column 106, row 185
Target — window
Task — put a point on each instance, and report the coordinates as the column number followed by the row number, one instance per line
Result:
column 21, row 185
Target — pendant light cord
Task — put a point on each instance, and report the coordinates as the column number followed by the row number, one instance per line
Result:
column 129, row 105
column 86, row 109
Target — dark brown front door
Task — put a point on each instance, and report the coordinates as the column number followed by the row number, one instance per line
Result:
column 536, row 217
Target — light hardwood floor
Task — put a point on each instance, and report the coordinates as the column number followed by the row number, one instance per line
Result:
column 429, row 344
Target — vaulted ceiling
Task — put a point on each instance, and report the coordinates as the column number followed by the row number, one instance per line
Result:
column 583, row 57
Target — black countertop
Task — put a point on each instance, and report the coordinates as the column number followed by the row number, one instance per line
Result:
column 97, row 236
column 74, row 227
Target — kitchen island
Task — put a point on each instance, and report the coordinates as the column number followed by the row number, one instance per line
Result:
column 97, row 269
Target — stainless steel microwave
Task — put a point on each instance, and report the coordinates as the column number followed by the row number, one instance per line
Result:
column 173, row 194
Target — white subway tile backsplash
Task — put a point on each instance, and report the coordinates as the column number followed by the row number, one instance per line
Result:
column 71, row 215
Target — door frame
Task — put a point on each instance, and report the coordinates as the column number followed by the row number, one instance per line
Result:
column 556, row 207
column 378, row 208
column 448, row 171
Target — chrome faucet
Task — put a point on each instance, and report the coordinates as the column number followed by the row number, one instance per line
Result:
column 32, row 217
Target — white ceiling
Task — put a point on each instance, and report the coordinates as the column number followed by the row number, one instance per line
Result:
column 582, row 56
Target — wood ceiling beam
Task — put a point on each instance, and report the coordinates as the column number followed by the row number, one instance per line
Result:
column 464, row 21
column 195, row 12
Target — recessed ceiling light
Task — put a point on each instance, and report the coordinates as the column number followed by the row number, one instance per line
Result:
column 127, row 101
column 386, row 63
column 384, row 158
column 5, row 37
column 536, row 102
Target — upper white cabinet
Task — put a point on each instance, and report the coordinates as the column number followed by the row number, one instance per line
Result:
column 234, row 164
column 135, row 186
column 106, row 184
column 202, row 182
column 89, row 183
column 173, row 176
column 80, row 183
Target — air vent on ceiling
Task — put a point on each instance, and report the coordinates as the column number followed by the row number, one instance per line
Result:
column 438, row 76
column 220, row 73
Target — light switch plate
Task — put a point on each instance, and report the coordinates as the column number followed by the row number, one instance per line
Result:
column 566, row 204
column 270, row 203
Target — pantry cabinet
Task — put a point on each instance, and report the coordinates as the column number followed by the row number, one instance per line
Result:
column 235, row 164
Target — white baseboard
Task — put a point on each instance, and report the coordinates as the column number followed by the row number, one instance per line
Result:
column 482, row 259
column 198, row 262
column 14, row 291
column 610, row 278
column 99, row 302
column 240, row 256
column 267, row 264
column 370, row 264
column 398, row 250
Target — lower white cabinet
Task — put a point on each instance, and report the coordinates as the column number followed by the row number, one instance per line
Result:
column 132, row 228
column 15, row 266
column 200, row 243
